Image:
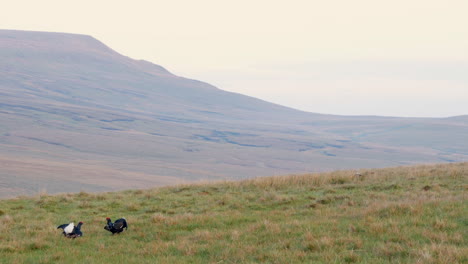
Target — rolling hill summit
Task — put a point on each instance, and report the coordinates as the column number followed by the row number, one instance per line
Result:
column 76, row 115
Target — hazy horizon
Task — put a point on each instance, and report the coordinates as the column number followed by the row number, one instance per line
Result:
column 348, row 58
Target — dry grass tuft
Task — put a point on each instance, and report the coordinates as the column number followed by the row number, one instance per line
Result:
column 392, row 251
column 442, row 253
column 85, row 205
column 6, row 220
column 83, row 194
column 132, row 207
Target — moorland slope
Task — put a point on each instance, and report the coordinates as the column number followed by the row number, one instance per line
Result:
column 76, row 115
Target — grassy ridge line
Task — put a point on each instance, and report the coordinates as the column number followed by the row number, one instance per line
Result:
column 395, row 215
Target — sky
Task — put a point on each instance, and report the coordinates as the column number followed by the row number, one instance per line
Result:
column 360, row 57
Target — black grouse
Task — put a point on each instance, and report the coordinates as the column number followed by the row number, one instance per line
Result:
column 116, row 227
column 70, row 230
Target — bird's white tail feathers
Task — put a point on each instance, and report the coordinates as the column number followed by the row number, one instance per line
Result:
column 69, row 228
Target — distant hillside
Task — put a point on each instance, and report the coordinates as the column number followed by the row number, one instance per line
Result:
column 76, row 115
column 394, row 215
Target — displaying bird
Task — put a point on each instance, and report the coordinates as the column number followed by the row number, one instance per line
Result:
column 116, row 227
column 70, row 230
column 67, row 228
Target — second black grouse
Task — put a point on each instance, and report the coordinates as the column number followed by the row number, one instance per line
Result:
column 116, row 227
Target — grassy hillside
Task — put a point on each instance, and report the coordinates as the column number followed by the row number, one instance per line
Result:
column 396, row 215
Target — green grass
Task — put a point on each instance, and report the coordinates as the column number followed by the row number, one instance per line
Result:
column 396, row 215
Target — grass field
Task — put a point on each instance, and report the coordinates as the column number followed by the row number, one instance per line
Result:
column 395, row 215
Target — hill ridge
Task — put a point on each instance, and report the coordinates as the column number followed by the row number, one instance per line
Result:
column 133, row 124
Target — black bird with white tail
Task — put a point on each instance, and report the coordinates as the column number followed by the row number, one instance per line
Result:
column 116, row 227
column 70, row 230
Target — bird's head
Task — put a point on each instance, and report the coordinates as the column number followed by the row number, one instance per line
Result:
column 107, row 218
column 80, row 223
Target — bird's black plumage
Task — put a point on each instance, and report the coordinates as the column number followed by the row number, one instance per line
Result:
column 77, row 230
column 116, row 227
column 70, row 230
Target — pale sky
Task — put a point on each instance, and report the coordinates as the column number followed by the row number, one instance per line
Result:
column 359, row 57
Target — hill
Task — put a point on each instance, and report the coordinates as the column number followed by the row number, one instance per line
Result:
column 76, row 115
column 393, row 215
